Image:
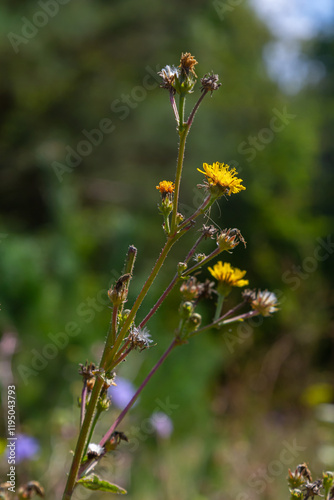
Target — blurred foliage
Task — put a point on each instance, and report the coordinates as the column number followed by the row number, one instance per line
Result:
column 64, row 237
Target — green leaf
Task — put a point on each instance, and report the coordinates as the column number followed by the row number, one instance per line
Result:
column 93, row 482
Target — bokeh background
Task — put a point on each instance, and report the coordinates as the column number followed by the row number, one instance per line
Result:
column 239, row 413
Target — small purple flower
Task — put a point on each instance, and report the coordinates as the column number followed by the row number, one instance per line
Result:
column 122, row 393
column 26, row 447
column 162, row 424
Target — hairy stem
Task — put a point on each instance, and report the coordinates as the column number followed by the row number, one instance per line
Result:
column 83, row 402
column 171, row 284
column 82, row 439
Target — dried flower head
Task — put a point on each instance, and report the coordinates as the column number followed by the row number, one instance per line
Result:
column 118, row 293
column 31, row 489
column 304, row 471
column 210, row 83
column 87, row 371
column 191, row 289
column 187, row 64
column 207, row 289
column 229, row 239
column 227, row 277
column 221, row 179
column 208, row 231
column 264, row 302
column 168, row 75
column 312, row 489
column 139, row 338
column 194, row 290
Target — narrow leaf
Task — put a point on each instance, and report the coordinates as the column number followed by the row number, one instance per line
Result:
column 93, row 482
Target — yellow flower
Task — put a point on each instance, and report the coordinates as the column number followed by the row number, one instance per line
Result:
column 221, row 179
column 166, row 187
column 227, row 276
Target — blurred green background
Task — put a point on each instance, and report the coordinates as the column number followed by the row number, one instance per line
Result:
column 67, row 221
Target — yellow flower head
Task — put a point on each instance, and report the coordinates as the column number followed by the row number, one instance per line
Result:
column 227, row 276
column 166, row 187
column 221, row 179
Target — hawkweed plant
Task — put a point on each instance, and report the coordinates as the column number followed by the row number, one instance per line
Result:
column 127, row 333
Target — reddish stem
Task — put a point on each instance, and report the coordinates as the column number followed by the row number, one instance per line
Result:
column 119, row 419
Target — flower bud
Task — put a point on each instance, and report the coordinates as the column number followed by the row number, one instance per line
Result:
column 194, row 322
column 296, row 494
column 179, row 218
column 181, row 267
column 186, row 309
column 327, row 480
column 104, row 402
column 199, row 257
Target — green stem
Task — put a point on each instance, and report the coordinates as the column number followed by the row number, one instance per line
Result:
column 128, row 267
column 109, row 355
column 171, row 285
column 83, row 402
column 96, row 417
column 178, row 175
column 91, row 464
column 182, row 103
column 82, row 439
column 163, row 254
column 219, row 306
column 113, row 326
column 183, row 132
